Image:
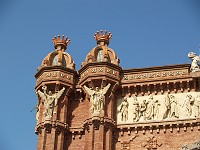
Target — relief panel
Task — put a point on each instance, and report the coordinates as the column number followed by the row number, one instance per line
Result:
column 158, row 107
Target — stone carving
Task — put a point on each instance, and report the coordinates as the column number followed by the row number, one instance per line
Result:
column 196, row 107
column 195, row 60
column 136, row 109
column 192, row 105
column 159, row 107
column 37, row 107
column 194, row 146
column 125, row 145
column 142, row 109
column 151, row 143
column 152, row 108
column 167, row 107
column 156, row 74
column 97, row 98
column 50, row 100
column 171, row 107
column 124, row 110
column 187, row 105
column 174, row 107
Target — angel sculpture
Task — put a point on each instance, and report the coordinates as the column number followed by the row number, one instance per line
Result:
column 195, row 60
column 97, row 98
column 50, row 100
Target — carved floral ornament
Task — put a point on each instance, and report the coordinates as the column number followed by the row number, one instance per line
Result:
column 54, row 74
column 158, row 107
column 154, row 75
column 99, row 70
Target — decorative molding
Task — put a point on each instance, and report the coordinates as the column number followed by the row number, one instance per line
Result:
column 55, row 75
column 183, row 125
column 155, row 75
column 99, row 71
column 49, row 124
column 97, row 121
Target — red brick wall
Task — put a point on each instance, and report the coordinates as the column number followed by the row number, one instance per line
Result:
column 168, row 141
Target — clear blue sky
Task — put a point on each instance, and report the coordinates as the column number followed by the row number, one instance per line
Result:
column 145, row 33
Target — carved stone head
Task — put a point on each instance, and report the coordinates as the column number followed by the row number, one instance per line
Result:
column 50, row 93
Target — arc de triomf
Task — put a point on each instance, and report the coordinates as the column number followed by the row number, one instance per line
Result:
column 104, row 107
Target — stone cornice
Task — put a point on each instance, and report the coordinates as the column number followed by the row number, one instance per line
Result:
column 48, row 125
column 156, row 126
column 147, row 69
column 155, row 74
column 56, row 74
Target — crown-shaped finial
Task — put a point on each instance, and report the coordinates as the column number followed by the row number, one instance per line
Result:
column 103, row 37
column 63, row 42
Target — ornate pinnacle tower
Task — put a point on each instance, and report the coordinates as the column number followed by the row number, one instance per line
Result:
column 54, row 86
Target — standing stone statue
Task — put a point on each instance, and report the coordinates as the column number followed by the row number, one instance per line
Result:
column 135, row 109
column 142, row 110
column 195, row 60
column 187, row 105
column 37, row 107
column 97, row 98
column 174, row 107
column 196, row 109
column 192, row 105
column 167, row 107
column 124, row 110
column 152, row 108
column 50, row 100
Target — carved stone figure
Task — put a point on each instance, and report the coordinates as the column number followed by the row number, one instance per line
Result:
column 192, row 106
column 195, row 60
column 187, row 105
column 37, row 107
column 97, row 98
column 167, row 107
column 124, row 110
column 196, row 108
column 143, row 107
column 50, row 100
column 100, row 56
column 136, row 109
column 156, row 109
column 152, row 108
column 174, row 107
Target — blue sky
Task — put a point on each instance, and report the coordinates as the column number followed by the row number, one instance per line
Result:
column 145, row 33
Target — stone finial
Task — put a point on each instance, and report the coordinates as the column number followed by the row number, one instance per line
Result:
column 62, row 42
column 103, row 37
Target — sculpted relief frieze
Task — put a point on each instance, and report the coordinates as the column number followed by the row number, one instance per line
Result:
column 158, row 107
column 140, row 76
